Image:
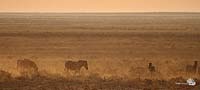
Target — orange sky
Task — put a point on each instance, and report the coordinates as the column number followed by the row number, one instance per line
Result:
column 100, row 5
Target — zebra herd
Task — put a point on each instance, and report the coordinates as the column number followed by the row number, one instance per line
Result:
column 28, row 68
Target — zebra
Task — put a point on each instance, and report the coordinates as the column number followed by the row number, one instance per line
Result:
column 75, row 66
column 27, row 68
column 192, row 69
column 151, row 69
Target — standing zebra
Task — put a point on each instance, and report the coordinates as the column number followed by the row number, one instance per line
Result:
column 75, row 66
column 151, row 68
column 27, row 68
column 192, row 69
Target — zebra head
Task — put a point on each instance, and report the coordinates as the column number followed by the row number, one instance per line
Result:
column 84, row 64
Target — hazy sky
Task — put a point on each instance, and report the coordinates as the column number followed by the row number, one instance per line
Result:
column 100, row 5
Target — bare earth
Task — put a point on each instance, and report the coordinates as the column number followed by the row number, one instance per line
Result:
column 117, row 46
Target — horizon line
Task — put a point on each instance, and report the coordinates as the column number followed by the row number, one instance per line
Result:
column 100, row 12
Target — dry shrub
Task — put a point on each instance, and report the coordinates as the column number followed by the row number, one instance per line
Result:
column 28, row 75
column 177, row 79
column 137, row 72
column 94, row 77
column 5, row 76
column 44, row 73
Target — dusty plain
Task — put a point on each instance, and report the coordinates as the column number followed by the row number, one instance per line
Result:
column 117, row 46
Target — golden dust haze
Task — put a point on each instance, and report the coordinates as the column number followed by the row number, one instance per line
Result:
column 99, row 5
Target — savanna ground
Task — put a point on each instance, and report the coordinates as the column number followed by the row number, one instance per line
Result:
column 117, row 46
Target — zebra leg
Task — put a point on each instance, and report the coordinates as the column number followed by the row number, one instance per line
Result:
column 77, row 73
column 151, row 75
column 67, row 72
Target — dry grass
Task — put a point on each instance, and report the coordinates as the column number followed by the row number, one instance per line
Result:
column 118, row 49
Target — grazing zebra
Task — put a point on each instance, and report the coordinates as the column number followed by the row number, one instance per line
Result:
column 75, row 66
column 27, row 68
column 192, row 68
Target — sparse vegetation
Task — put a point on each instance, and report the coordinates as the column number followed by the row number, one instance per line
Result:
column 118, row 50
column 5, row 76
